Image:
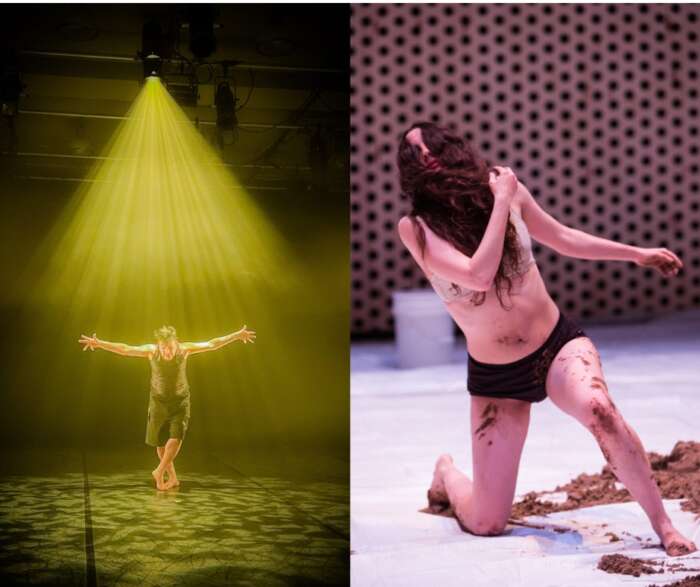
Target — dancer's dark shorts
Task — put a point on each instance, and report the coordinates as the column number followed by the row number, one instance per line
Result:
column 525, row 378
column 167, row 419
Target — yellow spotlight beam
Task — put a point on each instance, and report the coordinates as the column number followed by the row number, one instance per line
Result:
column 165, row 234
column 162, row 219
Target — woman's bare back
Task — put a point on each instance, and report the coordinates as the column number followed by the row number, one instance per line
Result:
column 496, row 334
column 501, row 335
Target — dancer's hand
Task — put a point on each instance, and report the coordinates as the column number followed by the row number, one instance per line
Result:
column 90, row 342
column 503, row 184
column 664, row 261
column 246, row 336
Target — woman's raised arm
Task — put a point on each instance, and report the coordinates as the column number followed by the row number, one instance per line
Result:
column 244, row 335
column 92, row 343
column 478, row 271
column 581, row 245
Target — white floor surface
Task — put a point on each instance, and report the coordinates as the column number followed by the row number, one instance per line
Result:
column 403, row 419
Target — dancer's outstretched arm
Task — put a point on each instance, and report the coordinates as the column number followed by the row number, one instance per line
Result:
column 581, row 245
column 92, row 343
column 244, row 335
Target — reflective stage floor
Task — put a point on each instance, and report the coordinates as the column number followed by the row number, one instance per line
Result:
column 68, row 518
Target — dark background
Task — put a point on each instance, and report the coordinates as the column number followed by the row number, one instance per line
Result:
column 79, row 71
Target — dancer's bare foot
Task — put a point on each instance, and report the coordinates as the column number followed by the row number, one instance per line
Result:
column 158, row 478
column 437, row 496
column 678, row 545
column 675, row 543
column 172, row 483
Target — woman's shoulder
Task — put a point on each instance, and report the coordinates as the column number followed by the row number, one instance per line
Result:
column 405, row 222
column 407, row 232
column 406, row 229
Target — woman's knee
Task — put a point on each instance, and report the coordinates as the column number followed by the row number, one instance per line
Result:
column 603, row 418
column 482, row 525
column 487, row 527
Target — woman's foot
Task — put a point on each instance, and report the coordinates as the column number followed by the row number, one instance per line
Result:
column 171, row 483
column 678, row 545
column 674, row 543
column 158, row 478
column 437, row 496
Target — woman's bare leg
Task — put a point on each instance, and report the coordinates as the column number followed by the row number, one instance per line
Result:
column 576, row 385
column 499, row 428
column 169, row 453
column 170, row 471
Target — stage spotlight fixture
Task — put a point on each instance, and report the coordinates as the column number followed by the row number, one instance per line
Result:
column 152, row 65
column 151, row 48
column 226, row 119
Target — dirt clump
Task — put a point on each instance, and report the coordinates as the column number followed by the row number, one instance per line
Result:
column 677, row 475
column 625, row 565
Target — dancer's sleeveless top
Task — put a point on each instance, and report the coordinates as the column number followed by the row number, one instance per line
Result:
column 450, row 292
column 168, row 378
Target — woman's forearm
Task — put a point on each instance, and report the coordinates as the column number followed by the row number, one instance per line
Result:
column 485, row 261
column 220, row 341
column 113, row 347
column 581, row 245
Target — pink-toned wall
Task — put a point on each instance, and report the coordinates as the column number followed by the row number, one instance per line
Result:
column 595, row 108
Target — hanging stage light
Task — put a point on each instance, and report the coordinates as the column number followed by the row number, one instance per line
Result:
column 226, row 119
column 152, row 65
column 151, row 48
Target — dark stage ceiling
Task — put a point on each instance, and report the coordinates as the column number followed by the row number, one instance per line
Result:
column 78, row 63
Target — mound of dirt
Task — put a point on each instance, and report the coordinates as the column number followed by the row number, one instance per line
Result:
column 625, row 565
column 677, row 475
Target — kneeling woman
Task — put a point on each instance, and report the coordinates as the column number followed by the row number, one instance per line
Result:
column 169, row 404
column 469, row 231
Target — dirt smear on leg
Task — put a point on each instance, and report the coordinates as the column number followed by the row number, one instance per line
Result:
column 488, row 419
column 586, row 362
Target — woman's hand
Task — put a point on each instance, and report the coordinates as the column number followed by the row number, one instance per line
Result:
column 663, row 260
column 246, row 336
column 503, row 184
column 90, row 342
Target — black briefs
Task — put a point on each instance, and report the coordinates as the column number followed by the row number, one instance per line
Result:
column 525, row 378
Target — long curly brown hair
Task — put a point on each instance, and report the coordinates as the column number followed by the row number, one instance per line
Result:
column 454, row 199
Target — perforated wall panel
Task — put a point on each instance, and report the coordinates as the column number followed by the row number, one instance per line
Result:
column 595, row 108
